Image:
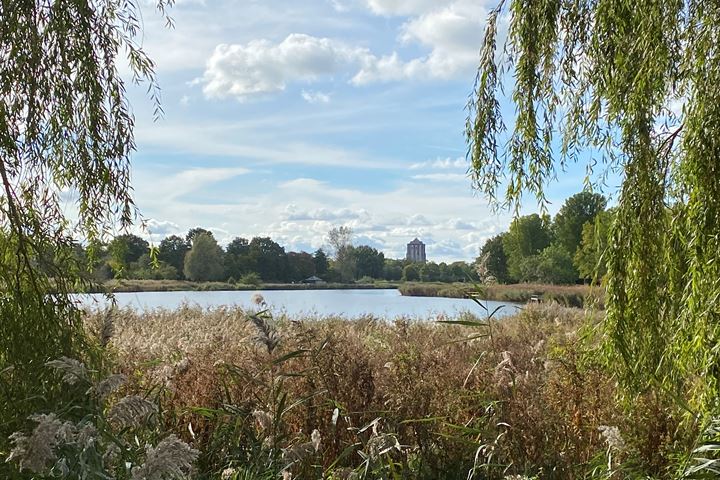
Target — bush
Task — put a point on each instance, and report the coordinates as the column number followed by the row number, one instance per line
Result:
column 251, row 278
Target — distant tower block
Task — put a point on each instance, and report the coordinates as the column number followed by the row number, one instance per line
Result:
column 416, row 251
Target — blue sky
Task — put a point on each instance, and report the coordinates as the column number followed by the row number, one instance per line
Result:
column 288, row 118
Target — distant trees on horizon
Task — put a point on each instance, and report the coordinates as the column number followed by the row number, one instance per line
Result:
column 197, row 256
column 563, row 250
column 566, row 249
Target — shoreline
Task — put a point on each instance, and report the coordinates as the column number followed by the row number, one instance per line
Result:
column 577, row 296
column 134, row 286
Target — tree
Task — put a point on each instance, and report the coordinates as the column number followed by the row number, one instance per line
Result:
column 238, row 260
column 321, row 262
column 555, row 266
column 269, row 259
column 576, row 212
column 172, row 250
column 527, row 236
column 392, row 269
column 194, row 232
column 65, row 126
column 612, row 68
column 411, row 273
column 461, row 272
column 430, row 272
column 493, row 259
column 144, row 268
column 590, row 259
column 340, row 240
column 301, row 265
column 204, row 263
column 369, row 262
column 125, row 249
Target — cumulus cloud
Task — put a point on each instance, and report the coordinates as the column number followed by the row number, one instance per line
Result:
column 292, row 212
column 261, row 67
column 315, row 97
column 458, row 224
column 161, row 227
column 452, row 30
column 417, row 220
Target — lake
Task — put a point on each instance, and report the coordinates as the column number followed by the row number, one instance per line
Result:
column 295, row 303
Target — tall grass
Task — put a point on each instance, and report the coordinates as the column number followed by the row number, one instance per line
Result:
column 406, row 399
column 233, row 394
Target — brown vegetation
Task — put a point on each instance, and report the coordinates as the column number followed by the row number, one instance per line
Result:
column 519, row 396
column 566, row 295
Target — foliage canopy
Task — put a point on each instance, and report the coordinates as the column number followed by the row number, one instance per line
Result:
column 604, row 74
column 65, row 142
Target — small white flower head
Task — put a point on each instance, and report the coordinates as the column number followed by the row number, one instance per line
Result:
column 263, row 420
column 171, row 459
column 132, row 411
column 108, row 386
column 259, row 300
column 612, row 437
column 335, row 415
column 71, row 369
column 228, row 473
column 315, row 439
column 286, row 475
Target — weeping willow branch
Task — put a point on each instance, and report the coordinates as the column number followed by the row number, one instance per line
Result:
column 599, row 75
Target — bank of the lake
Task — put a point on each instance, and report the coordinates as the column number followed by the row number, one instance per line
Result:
column 567, row 295
column 132, row 286
column 578, row 296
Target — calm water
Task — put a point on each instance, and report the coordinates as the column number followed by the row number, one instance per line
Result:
column 350, row 303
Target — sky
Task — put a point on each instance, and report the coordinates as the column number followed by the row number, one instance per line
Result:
column 286, row 118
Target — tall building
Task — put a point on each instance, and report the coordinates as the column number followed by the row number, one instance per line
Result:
column 416, row 251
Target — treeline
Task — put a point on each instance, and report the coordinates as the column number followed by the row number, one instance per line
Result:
column 198, row 257
column 565, row 250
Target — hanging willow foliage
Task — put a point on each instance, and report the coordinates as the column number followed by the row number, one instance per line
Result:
column 65, row 141
column 599, row 81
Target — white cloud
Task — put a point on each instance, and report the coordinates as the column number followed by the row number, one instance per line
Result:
column 442, row 177
column 174, row 186
column 292, row 212
column 459, row 224
column 451, row 30
column 441, row 164
column 261, row 67
column 403, row 7
column 417, row 220
column 315, row 97
column 161, row 227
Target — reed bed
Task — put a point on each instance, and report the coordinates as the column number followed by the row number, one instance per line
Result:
column 332, row 397
column 579, row 296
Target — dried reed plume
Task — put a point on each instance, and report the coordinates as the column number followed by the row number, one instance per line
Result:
column 37, row 451
column 266, row 334
column 132, row 411
column 102, row 326
column 170, row 459
column 109, row 385
column 72, row 369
